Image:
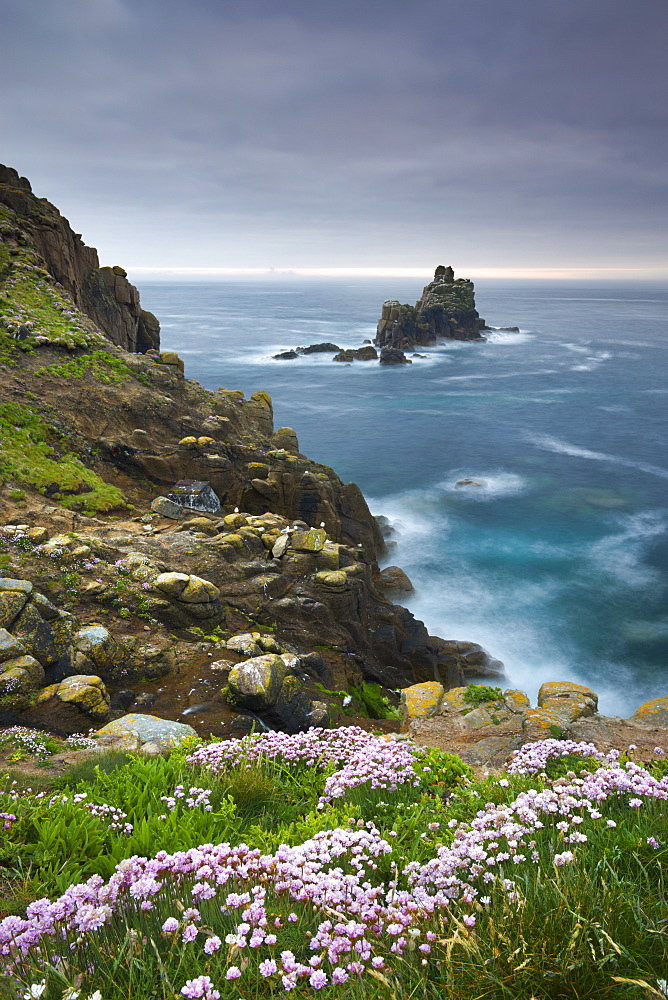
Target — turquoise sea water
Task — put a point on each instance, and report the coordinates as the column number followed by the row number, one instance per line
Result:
column 558, row 563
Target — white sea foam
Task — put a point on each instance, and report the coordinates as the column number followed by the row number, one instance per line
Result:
column 492, row 484
column 508, row 337
column 622, row 555
column 548, row 443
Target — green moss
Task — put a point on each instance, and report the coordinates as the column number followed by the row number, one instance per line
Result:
column 372, row 702
column 101, row 366
column 29, row 458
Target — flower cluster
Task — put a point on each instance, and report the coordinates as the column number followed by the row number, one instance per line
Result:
column 360, row 757
column 532, row 757
column 28, row 740
column 192, row 799
column 238, row 908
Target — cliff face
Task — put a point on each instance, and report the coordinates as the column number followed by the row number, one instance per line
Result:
column 445, row 310
column 102, row 293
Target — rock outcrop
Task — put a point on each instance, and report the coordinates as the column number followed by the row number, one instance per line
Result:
column 446, row 310
column 104, row 294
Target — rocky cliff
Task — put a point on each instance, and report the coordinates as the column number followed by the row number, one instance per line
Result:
column 445, row 310
column 34, row 232
column 92, row 433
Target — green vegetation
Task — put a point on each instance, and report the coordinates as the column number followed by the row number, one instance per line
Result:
column 27, row 457
column 372, row 702
column 100, row 365
column 477, row 693
column 575, row 906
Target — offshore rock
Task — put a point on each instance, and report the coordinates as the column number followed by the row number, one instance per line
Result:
column 325, row 348
column 391, row 355
column 446, row 310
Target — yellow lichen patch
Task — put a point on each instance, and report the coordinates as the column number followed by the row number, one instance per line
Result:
column 540, row 724
column 334, row 579
column 420, row 701
column 234, row 520
column 653, row 713
column 516, row 701
column 564, row 689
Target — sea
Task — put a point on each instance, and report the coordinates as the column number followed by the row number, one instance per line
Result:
column 556, row 561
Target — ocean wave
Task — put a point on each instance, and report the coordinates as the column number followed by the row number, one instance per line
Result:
column 548, row 443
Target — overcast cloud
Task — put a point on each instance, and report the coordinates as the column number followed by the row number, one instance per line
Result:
column 262, row 133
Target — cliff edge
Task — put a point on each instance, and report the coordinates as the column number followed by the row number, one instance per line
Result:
column 33, row 232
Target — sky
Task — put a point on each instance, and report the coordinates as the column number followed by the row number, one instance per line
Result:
column 504, row 137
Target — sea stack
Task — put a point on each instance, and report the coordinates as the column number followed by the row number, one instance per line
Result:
column 446, row 310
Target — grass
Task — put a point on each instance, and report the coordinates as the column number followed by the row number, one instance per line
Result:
column 595, row 927
column 99, row 365
column 28, row 458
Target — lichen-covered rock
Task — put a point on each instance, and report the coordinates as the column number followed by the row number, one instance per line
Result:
column 22, row 674
column 309, row 541
column 652, row 713
column 516, row 701
column 198, row 591
column 286, row 438
column 332, row 579
column 256, row 683
column 453, row 701
column 542, row 723
column 88, row 693
column 148, row 728
column 14, row 595
column 48, row 611
column 10, row 647
column 329, row 557
column 420, row 701
column 564, row 690
column 96, row 652
column 167, row 508
column 172, row 584
column 191, row 598
column 35, row 634
column 247, row 645
column 63, row 630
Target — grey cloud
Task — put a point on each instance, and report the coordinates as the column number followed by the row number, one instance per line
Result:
column 360, row 131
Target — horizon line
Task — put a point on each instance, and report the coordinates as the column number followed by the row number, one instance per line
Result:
column 510, row 273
